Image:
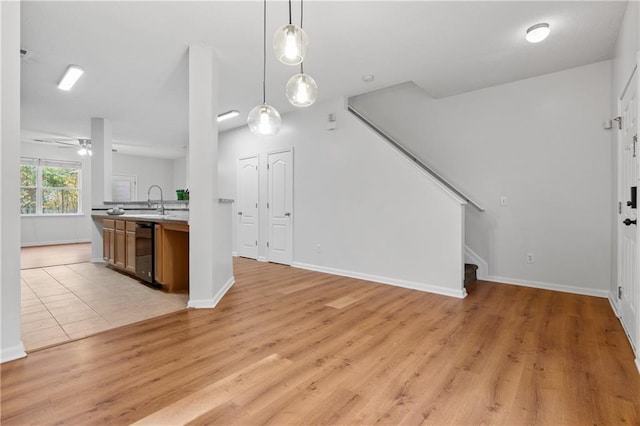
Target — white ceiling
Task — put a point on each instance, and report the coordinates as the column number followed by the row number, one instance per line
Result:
column 135, row 56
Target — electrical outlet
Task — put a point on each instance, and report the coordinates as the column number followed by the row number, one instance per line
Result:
column 529, row 257
column 318, row 248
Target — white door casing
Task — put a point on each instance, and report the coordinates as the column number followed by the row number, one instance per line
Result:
column 629, row 155
column 280, row 207
column 247, row 207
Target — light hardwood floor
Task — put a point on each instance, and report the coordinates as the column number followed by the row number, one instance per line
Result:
column 288, row 346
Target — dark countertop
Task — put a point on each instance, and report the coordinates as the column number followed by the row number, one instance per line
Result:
column 142, row 217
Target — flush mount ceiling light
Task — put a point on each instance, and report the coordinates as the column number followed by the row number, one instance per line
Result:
column 85, row 147
column 290, row 43
column 302, row 89
column 71, row 75
column 227, row 115
column 368, row 78
column 264, row 120
column 537, row 33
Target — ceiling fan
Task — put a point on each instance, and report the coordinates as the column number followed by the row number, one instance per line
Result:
column 70, row 143
column 79, row 144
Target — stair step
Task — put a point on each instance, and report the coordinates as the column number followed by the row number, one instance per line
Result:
column 470, row 275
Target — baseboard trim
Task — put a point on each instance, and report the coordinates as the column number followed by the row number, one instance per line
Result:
column 638, row 364
column 213, row 302
column 262, row 259
column 549, row 286
column 483, row 267
column 613, row 304
column 97, row 260
column 12, row 353
column 412, row 285
column 234, row 254
column 54, row 243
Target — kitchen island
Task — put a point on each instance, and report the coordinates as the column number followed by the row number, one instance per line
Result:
column 161, row 259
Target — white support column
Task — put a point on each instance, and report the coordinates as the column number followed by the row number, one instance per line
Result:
column 206, row 286
column 101, row 161
column 10, row 344
column 101, row 172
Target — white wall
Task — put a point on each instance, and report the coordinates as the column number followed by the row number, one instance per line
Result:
column 180, row 173
column 538, row 141
column 42, row 230
column 149, row 171
column 622, row 65
column 10, row 343
column 373, row 213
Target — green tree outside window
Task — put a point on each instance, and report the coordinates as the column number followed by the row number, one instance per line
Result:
column 49, row 188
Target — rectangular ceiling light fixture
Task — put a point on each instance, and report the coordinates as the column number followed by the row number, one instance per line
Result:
column 70, row 77
column 227, row 115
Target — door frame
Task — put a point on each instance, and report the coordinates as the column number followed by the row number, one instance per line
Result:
column 268, row 194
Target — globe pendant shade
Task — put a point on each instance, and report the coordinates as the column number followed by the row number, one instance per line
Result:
column 302, row 90
column 290, row 44
column 264, row 120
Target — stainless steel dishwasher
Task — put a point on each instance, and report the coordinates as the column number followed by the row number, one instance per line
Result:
column 144, row 251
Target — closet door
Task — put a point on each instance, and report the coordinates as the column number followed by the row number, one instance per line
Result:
column 280, row 207
column 247, row 207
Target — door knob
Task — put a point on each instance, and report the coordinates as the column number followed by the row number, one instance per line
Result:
column 630, row 222
column 629, row 203
column 287, row 214
column 239, row 213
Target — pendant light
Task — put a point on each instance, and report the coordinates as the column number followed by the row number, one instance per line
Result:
column 301, row 90
column 290, row 43
column 264, row 120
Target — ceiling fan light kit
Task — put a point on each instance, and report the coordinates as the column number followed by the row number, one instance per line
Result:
column 85, row 147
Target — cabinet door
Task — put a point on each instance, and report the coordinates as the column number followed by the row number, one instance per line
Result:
column 130, row 261
column 106, row 244
column 120, row 244
column 109, row 246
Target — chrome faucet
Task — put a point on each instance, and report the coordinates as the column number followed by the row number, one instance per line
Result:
column 161, row 198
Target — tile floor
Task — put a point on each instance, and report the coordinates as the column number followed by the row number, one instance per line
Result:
column 62, row 303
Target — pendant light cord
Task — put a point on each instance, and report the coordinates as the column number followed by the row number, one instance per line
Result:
column 289, row 12
column 264, row 53
column 301, row 15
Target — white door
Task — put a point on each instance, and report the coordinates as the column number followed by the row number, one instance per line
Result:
column 280, row 204
column 247, row 207
column 629, row 292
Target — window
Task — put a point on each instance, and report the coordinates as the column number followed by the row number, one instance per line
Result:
column 49, row 187
column 123, row 188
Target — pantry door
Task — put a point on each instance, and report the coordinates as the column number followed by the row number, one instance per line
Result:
column 247, row 207
column 280, row 207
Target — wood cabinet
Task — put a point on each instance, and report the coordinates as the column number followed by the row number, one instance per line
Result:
column 171, row 250
column 120, row 244
column 108, row 240
column 172, row 255
column 130, row 257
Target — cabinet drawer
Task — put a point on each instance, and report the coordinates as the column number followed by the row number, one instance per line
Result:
column 120, row 224
column 108, row 223
column 131, row 227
